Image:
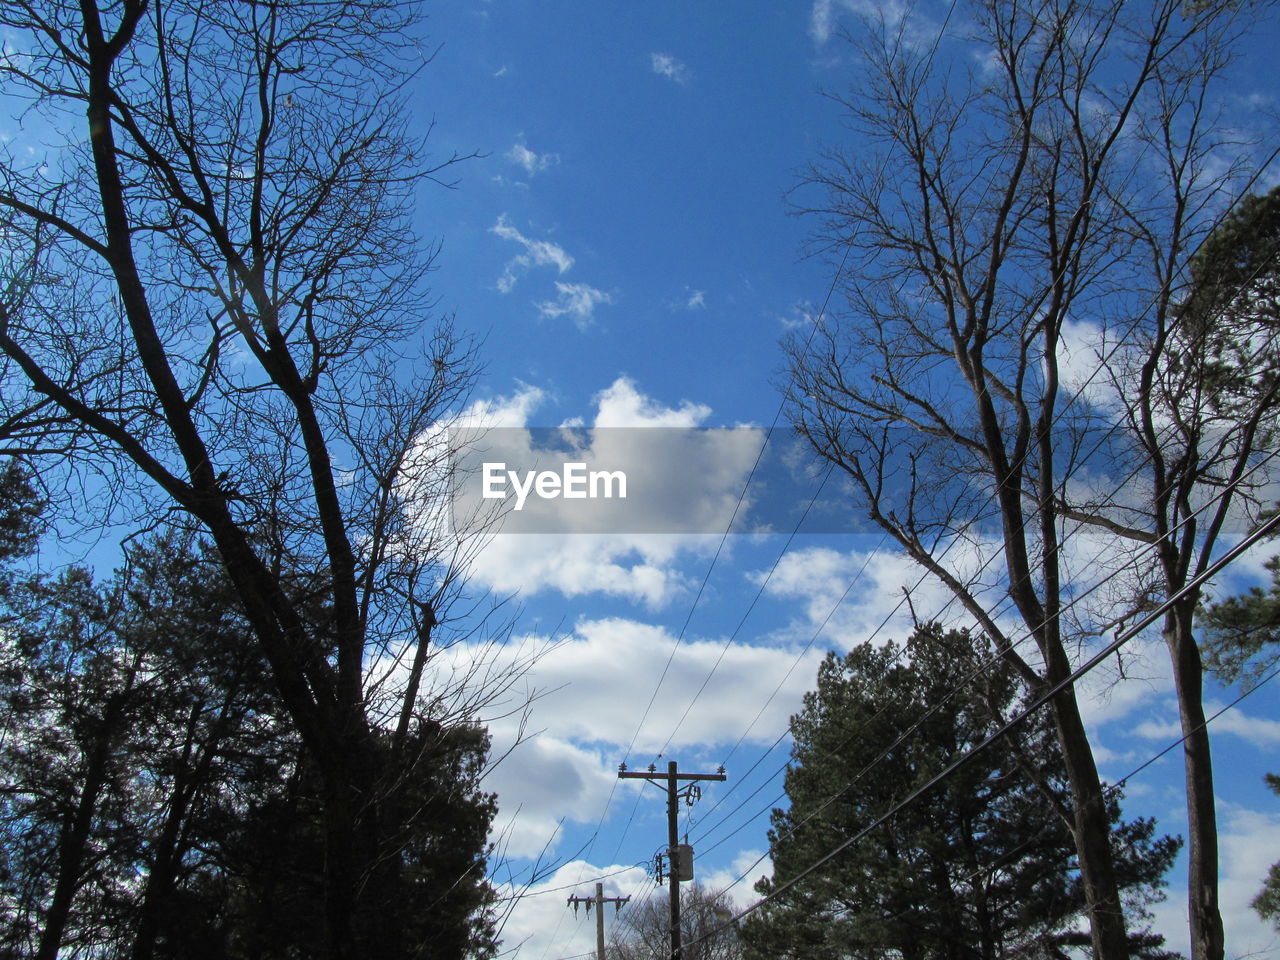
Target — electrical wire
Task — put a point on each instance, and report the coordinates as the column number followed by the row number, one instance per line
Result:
column 969, row 679
column 1109, row 793
column 1037, row 703
column 1079, row 524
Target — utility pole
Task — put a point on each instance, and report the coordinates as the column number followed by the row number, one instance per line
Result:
column 679, row 859
column 599, row 900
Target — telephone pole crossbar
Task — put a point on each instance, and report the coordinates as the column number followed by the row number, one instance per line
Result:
column 599, row 900
column 670, row 781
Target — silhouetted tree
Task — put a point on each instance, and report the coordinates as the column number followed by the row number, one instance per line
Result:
column 217, row 308
column 1020, row 387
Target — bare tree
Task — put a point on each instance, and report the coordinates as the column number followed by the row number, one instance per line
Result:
column 213, row 304
column 643, row 933
column 1201, row 390
column 1037, row 183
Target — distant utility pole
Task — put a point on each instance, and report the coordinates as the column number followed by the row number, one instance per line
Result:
column 679, row 858
column 599, row 900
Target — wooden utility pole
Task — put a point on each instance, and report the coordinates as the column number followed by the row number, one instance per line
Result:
column 599, row 900
column 679, row 860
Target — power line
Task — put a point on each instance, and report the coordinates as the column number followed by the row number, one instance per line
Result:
column 1110, row 792
column 747, row 613
column 974, row 674
column 1080, row 524
column 1195, row 584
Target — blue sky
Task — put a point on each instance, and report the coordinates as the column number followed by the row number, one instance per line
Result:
column 621, row 247
column 625, row 251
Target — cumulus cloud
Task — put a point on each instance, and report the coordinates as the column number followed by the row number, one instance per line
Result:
column 575, row 705
column 750, row 866
column 861, row 594
column 665, row 65
column 538, row 253
column 1086, row 365
column 845, row 597
column 634, row 567
column 1261, row 732
column 513, row 410
column 621, row 404
column 593, row 686
column 544, row 780
column 1248, row 845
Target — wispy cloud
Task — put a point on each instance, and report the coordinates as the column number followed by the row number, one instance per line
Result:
column 1262, row 732
column 578, row 300
column 665, row 65
column 532, row 162
column 801, row 315
column 696, row 301
column 538, row 253
column 890, row 14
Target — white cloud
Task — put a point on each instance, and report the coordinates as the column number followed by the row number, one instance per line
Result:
column 821, row 21
column 621, row 404
column 567, row 721
column 801, row 315
column 1261, row 732
column 876, row 607
column 590, row 692
column 503, row 411
column 668, row 66
column 750, row 865
column 893, row 15
column 634, row 567
column 578, row 300
column 541, row 924
column 544, row 779
column 532, row 162
column 1087, row 365
column 816, row 579
column 538, row 253
column 1249, row 843
column 696, row 300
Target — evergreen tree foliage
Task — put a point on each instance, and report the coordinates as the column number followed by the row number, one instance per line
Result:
column 1267, row 902
column 1232, row 315
column 981, row 867
column 1242, row 633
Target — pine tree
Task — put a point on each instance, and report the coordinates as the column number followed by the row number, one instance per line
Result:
column 981, row 867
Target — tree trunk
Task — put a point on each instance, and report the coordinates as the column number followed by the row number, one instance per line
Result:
column 167, row 854
column 1207, row 937
column 1092, row 830
column 72, row 842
